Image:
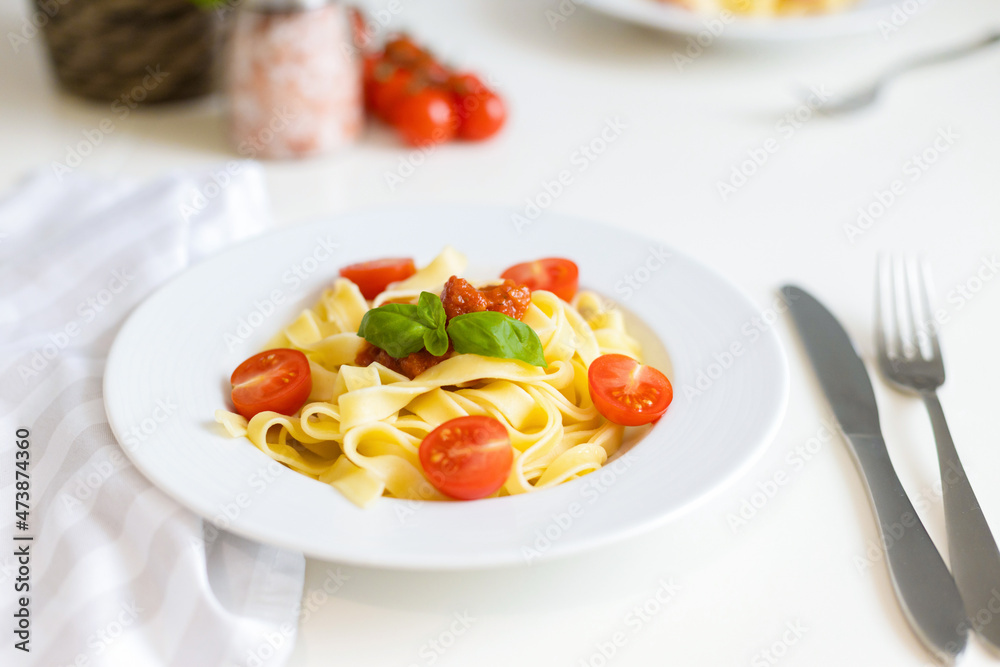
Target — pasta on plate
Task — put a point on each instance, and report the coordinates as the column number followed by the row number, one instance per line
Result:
column 361, row 428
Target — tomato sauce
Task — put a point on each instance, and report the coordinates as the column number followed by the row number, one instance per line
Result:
column 411, row 365
column 460, row 297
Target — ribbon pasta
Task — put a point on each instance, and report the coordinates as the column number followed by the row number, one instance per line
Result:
column 361, row 428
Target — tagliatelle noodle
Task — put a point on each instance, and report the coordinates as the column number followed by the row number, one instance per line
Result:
column 361, row 428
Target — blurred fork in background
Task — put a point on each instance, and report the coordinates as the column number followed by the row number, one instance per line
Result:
column 866, row 96
column 909, row 356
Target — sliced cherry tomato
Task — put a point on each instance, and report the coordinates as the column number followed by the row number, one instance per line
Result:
column 275, row 380
column 554, row 274
column 426, row 118
column 481, row 111
column 627, row 392
column 373, row 277
column 467, row 457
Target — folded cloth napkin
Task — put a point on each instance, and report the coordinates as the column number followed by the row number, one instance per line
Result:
column 120, row 574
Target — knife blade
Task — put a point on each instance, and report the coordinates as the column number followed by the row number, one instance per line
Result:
column 924, row 587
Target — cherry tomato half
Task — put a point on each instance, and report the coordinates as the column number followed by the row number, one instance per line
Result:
column 467, row 457
column 275, row 381
column 426, row 117
column 627, row 392
column 373, row 277
column 554, row 274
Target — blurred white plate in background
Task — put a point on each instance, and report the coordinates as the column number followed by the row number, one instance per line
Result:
column 865, row 16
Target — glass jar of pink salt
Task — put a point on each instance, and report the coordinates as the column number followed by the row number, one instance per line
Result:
column 293, row 79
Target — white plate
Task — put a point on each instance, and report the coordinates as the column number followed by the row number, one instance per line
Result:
column 169, row 367
column 862, row 17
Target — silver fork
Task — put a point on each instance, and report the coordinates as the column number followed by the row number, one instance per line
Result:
column 866, row 96
column 909, row 356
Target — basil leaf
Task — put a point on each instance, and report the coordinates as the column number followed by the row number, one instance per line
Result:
column 431, row 312
column 404, row 328
column 492, row 334
column 394, row 328
column 436, row 341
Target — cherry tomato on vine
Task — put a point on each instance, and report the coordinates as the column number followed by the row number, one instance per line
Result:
column 392, row 89
column 481, row 111
column 425, row 118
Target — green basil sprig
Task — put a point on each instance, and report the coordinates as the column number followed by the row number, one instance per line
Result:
column 493, row 334
column 403, row 328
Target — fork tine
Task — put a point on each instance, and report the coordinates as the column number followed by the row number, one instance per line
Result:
column 881, row 346
column 894, row 285
column 923, row 288
column 914, row 307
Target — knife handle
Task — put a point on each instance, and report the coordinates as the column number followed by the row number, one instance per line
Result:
column 925, row 589
column 973, row 552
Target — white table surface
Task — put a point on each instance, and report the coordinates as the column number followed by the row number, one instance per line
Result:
column 795, row 562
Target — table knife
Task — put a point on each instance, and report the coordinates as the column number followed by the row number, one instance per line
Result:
column 925, row 589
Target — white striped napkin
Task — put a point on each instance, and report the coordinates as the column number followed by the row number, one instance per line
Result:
column 120, row 574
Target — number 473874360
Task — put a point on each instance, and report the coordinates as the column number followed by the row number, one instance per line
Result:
column 22, row 484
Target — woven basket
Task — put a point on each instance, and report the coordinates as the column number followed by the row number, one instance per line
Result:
column 110, row 49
